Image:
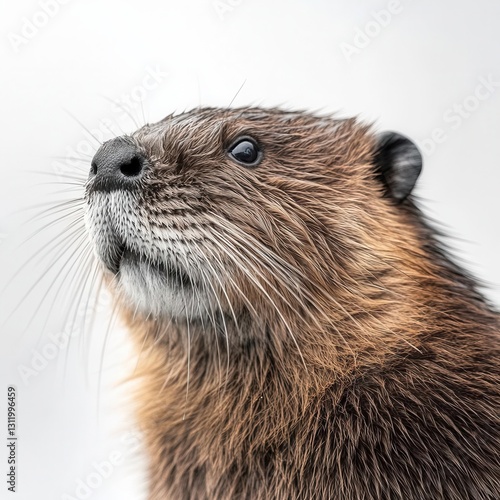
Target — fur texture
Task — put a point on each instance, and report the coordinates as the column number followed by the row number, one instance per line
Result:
column 300, row 334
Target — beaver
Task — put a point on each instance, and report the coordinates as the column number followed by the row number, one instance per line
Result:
column 301, row 330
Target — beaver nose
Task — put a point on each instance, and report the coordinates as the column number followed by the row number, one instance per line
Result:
column 118, row 164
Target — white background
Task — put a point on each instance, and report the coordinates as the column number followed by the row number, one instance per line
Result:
column 61, row 72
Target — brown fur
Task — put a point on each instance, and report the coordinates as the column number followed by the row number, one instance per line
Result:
column 358, row 363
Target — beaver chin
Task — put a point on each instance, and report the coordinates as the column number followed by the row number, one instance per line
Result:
column 159, row 289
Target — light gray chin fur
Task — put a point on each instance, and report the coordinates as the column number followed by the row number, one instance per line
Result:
column 146, row 290
column 116, row 217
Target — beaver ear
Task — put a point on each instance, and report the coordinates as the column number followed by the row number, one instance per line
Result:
column 398, row 163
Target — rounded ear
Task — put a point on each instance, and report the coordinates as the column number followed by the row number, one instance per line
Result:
column 398, row 164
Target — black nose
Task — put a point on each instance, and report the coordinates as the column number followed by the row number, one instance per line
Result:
column 118, row 164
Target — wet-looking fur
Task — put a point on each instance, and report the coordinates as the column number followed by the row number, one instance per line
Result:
column 301, row 333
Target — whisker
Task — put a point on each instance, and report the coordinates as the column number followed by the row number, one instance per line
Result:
column 210, row 313
column 83, row 126
column 261, row 288
column 74, row 176
column 124, row 109
column 83, row 249
column 226, row 332
column 54, row 281
column 111, row 324
column 82, row 279
column 40, row 278
column 220, row 309
column 237, row 92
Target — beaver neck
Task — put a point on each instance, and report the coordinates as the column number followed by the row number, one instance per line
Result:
column 210, row 379
column 207, row 404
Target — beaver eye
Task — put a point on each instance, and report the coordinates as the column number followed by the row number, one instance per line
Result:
column 246, row 151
